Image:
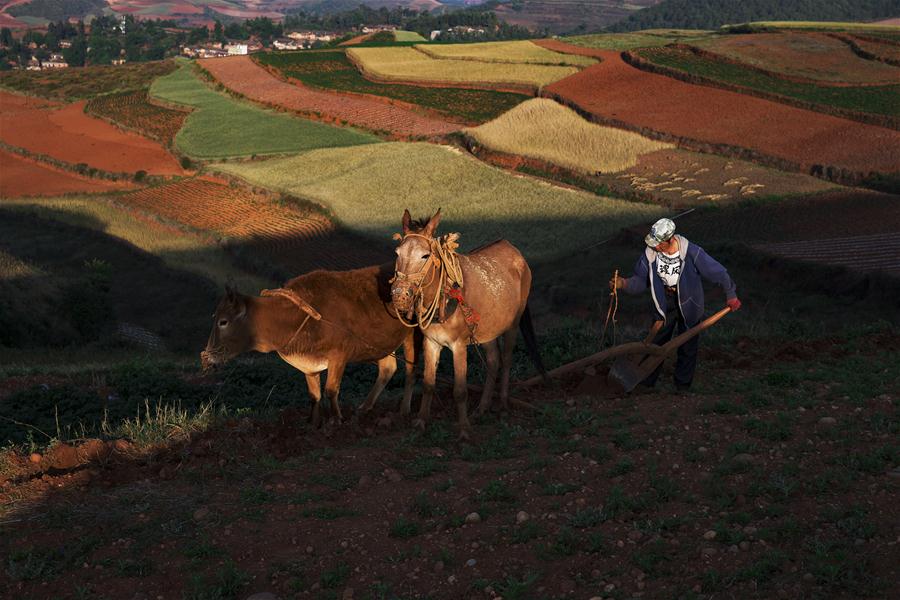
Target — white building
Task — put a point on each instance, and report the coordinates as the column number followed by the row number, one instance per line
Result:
column 236, row 49
column 289, row 44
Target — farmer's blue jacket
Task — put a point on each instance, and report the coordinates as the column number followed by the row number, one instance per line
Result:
column 697, row 264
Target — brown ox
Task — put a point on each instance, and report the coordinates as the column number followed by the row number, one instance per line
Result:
column 358, row 324
column 496, row 284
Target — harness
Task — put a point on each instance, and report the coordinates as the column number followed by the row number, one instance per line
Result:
column 300, row 303
column 442, row 266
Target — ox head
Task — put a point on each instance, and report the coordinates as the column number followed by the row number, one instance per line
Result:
column 231, row 334
column 415, row 259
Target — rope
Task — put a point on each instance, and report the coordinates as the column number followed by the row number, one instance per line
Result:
column 443, row 266
column 300, row 303
column 611, row 312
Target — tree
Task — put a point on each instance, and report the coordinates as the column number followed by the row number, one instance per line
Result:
column 6, row 37
column 76, row 54
column 218, row 32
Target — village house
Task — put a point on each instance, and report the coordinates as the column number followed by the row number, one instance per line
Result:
column 311, row 36
column 289, row 44
column 56, row 61
column 239, row 48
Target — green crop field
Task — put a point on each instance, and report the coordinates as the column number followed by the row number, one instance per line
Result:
column 524, row 52
column 543, row 129
column 86, row 82
column 222, row 127
column 332, row 70
column 409, row 64
column 408, row 36
column 639, row 39
column 481, row 202
column 878, row 99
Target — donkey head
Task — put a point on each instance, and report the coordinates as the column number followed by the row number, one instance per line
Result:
column 231, row 334
column 414, row 259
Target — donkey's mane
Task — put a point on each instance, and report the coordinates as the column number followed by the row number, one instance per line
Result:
column 417, row 225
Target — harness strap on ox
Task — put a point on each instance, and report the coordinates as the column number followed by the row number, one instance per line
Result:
column 297, row 301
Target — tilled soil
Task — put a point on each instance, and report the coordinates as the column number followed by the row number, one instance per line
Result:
column 64, row 132
column 240, row 74
column 614, row 90
column 776, row 489
column 25, row 177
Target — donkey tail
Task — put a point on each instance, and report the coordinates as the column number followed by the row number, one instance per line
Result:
column 526, row 326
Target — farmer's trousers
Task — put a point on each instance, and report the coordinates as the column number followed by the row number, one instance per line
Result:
column 686, row 361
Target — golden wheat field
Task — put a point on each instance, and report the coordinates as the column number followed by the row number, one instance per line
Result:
column 408, row 64
column 544, row 129
column 505, row 52
column 480, row 201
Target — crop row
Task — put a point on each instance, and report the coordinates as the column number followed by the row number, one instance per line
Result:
column 133, row 110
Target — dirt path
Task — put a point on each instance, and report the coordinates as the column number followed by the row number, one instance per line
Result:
column 240, row 74
column 616, row 91
column 66, row 133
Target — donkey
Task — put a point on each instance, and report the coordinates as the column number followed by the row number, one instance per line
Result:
column 319, row 321
column 491, row 302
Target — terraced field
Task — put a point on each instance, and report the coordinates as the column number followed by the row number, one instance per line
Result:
column 481, row 202
column 410, row 65
column 87, row 82
column 255, row 226
column 872, row 99
column 616, row 91
column 543, row 129
column 331, row 70
column 221, row 127
column 65, row 133
column 813, row 56
column 240, row 74
column 25, row 177
column 647, row 38
column 133, row 110
column 517, row 52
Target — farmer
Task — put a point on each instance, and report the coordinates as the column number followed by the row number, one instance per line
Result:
column 673, row 268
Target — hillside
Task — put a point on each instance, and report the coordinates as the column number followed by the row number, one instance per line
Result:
column 707, row 14
column 567, row 16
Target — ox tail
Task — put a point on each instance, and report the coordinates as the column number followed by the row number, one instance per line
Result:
column 526, row 326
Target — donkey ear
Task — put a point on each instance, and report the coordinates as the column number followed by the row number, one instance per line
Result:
column 229, row 291
column 433, row 223
column 240, row 303
column 407, row 220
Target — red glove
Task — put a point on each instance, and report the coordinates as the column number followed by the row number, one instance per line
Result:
column 734, row 304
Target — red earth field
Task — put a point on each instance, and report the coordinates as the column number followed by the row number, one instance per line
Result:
column 814, row 56
column 242, row 75
column 300, row 240
column 64, row 132
column 134, row 110
column 615, row 91
column 24, row 177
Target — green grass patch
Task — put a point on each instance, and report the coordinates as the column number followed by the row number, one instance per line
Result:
column 222, row 127
column 403, row 529
column 226, row 583
column 332, row 70
column 642, row 39
column 329, row 513
column 878, row 99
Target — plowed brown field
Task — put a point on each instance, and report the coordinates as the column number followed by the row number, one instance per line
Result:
column 615, row 91
column 242, row 75
column 66, row 133
column 24, row 177
column 297, row 240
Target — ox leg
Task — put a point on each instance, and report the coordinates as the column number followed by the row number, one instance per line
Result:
column 461, row 388
column 387, row 366
column 314, row 384
column 492, row 357
column 432, row 352
column 509, row 343
column 333, row 387
column 409, row 356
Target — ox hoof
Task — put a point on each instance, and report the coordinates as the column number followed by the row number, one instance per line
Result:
column 419, row 424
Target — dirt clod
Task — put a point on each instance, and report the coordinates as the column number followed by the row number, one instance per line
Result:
column 62, row 456
column 473, row 518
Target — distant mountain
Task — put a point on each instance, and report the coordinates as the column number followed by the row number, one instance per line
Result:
column 566, row 16
column 710, row 14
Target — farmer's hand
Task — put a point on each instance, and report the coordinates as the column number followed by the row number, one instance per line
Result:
column 616, row 283
column 734, row 304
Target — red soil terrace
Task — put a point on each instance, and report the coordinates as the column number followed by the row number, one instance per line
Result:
column 66, row 133
column 615, row 91
column 240, row 74
column 24, row 177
